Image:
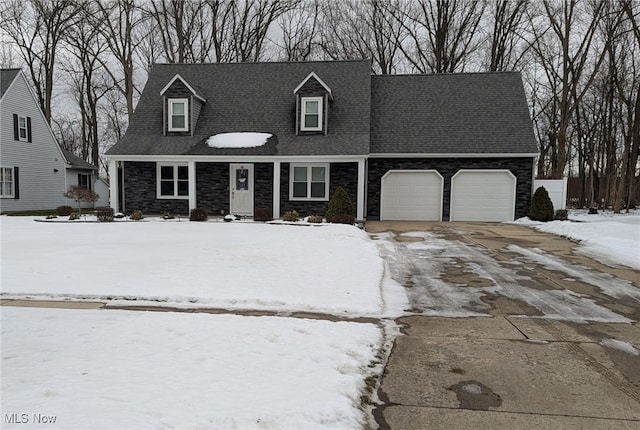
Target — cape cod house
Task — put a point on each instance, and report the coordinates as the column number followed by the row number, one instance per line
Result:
column 283, row 136
column 34, row 171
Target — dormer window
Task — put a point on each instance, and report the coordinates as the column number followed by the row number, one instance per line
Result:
column 311, row 114
column 312, row 105
column 178, row 118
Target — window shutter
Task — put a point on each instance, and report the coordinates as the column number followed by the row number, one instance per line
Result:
column 15, row 127
column 89, row 182
column 79, row 179
column 29, row 129
column 16, row 184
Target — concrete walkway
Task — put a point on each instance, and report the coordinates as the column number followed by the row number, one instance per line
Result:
column 504, row 371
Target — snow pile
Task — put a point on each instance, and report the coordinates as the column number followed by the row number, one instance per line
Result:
column 613, row 240
column 119, row 369
column 238, row 140
column 334, row 269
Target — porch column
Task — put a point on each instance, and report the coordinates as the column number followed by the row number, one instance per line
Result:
column 276, row 189
column 361, row 190
column 192, row 185
column 113, row 185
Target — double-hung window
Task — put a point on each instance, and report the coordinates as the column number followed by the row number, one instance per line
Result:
column 6, row 182
column 309, row 182
column 173, row 181
column 178, row 115
column 22, row 128
column 311, row 114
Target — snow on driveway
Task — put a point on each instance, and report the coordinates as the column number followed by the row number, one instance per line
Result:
column 120, row 369
column 422, row 265
column 330, row 268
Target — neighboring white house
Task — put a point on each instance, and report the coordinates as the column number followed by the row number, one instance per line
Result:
column 80, row 173
column 34, row 171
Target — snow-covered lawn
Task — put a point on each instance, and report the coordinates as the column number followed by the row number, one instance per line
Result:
column 331, row 268
column 110, row 369
column 612, row 239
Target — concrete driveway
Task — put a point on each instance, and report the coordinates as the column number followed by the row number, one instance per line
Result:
column 510, row 329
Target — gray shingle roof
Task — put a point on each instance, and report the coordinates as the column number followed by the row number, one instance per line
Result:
column 450, row 114
column 77, row 162
column 255, row 97
column 6, row 78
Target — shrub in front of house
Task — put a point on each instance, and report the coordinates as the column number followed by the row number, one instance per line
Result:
column 104, row 214
column 291, row 216
column 340, row 208
column 561, row 215
column 64, row 210
column 314, row 219
column 136, row 215
column 541, row 207
column 263, row 214
column 168, row 215
column 198, row 214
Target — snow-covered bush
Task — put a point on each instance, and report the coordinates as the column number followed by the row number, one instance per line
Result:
column 314, row 219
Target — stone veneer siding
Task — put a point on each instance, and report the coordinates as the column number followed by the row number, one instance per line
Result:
column 522, row 169
column 340, row 174
column 140, row 190
column 212, row 186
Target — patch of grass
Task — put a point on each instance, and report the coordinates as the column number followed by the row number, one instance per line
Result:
column 370, row 383
column 44, row 212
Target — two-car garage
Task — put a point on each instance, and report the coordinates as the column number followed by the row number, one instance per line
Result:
column 475, row 195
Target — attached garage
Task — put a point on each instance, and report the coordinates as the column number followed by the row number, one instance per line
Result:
column 483, row 195
column 411, row 195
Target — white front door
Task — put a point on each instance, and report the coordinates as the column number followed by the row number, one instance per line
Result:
column 241, row 189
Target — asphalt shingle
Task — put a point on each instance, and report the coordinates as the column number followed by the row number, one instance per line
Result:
column 462, row 113
column 255, row 97
column 6, row 78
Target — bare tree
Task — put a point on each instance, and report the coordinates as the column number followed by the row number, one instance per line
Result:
column 185, row 28
column 119, row 22
column 299, row 31
column 37, row 28
column 564, row 50
column 508, row 21
column 252, row 20
column 442, row 33
column 86, row 45
column 368, row 29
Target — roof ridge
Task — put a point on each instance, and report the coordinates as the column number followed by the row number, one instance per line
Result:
column 262, row 62
column 494, row 72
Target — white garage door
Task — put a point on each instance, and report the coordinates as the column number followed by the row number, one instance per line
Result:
column 411, row 195
column 483, row 195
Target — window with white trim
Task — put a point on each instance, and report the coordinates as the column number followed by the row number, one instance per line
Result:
column 178, row 115
column 173, row 181
column 22, row 128
column 311, row 114
column 309, row 182
column 7, row 182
